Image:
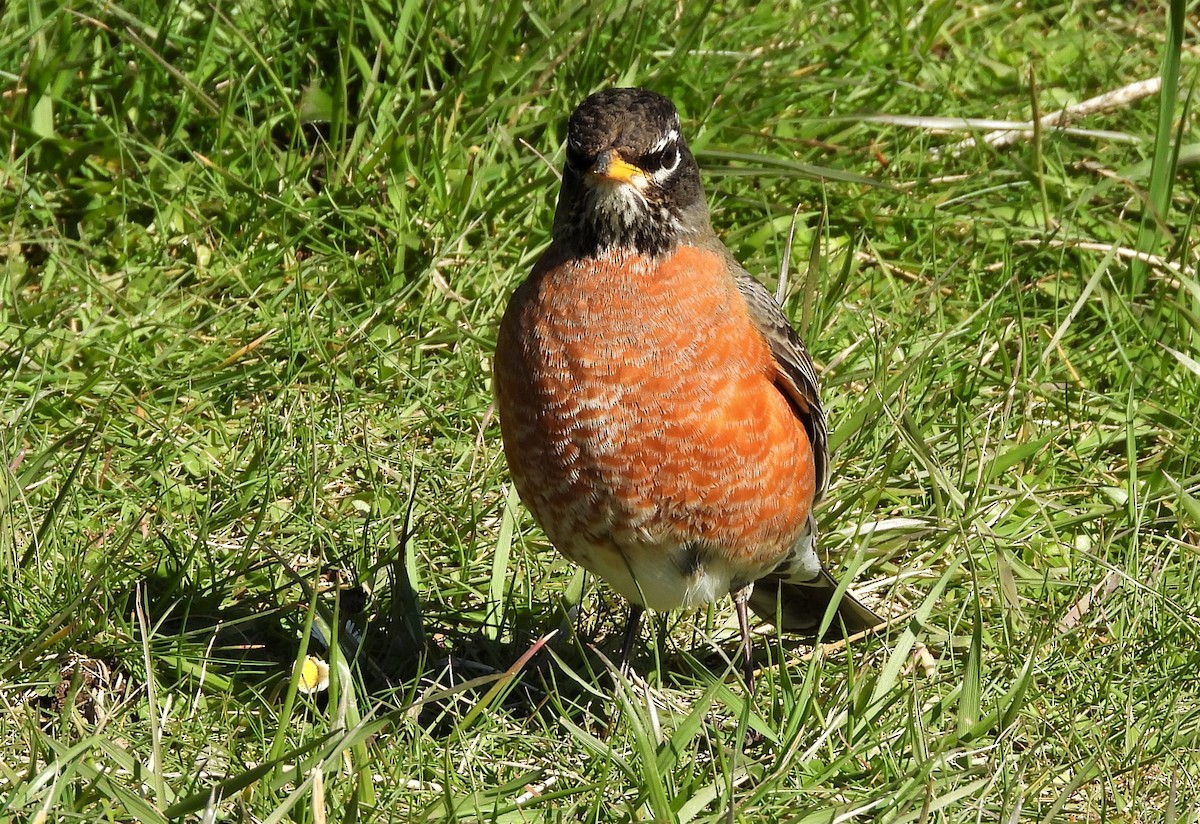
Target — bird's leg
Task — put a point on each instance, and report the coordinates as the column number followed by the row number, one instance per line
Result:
column 632, row 623
column 740, row 596
column 631, row 630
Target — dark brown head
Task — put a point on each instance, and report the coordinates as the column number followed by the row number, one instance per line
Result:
column 630, row 182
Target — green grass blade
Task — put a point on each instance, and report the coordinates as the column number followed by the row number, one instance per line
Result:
column 1162, row 171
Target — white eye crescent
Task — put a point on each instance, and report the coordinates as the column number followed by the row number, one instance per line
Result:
column 670, row 137
column 660, row 163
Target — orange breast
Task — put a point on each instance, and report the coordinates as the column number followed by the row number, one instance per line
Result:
column 638, row 409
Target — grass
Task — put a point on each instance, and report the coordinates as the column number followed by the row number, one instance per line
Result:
column 252, row 264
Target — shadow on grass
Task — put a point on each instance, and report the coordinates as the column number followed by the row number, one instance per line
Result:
column 440, row 669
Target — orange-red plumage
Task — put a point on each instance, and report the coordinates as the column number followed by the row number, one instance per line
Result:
column 639, row 400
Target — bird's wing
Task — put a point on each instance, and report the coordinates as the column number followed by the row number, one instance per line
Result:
column 797, row 378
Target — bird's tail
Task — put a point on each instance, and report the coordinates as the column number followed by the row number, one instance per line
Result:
column 799, row 607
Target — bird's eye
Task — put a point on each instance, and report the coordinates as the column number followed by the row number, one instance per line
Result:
column 577, row 159
column 665, row 160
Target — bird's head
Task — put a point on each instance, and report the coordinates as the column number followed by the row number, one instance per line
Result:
column 630, row 182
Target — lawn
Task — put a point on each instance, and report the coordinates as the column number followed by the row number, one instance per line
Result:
column 252, row 261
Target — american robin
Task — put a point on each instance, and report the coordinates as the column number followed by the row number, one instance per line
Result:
column 660, row 416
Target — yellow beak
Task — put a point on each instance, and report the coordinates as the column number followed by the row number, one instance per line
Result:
column 611, row 167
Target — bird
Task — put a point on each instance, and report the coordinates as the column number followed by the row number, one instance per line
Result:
column 660, row 417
